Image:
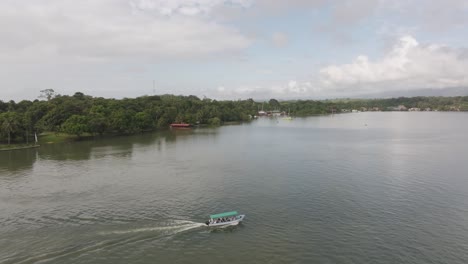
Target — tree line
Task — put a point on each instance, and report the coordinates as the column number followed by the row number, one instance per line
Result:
column 434, row 103
column 83, row 114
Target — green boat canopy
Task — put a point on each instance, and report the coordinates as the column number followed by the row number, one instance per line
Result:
column 223, row 214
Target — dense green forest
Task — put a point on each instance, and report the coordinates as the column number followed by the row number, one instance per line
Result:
column 82, row 114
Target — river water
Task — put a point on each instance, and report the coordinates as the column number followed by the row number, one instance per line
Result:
column 349, row 188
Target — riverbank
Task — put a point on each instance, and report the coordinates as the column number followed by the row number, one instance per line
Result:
column 52, row 137
column 45, row 138
column 17, row 147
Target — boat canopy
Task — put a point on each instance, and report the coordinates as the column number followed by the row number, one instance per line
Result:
column 223, row 214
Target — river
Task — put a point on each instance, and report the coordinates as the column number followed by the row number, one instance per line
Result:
column 348, row 188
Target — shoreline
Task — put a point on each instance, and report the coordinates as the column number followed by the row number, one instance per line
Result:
column 19, row 148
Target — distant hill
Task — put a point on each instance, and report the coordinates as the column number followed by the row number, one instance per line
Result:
column 457, row 91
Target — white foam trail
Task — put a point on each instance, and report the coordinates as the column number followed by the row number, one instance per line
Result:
column 179, row 227
column 49, row 256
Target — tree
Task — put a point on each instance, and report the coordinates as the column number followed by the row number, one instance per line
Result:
column 98, row 123
column 47, row 93
column 98, row 119
column 214, row 121
column 3, row 106
column 274, row 104
column 10, row 124
column 76, row 125
column 143, row 121
column 34, row 114
column 122, row 121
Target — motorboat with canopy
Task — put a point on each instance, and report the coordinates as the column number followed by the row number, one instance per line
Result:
column 227, row 218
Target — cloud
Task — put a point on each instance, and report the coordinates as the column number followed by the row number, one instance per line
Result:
column 287, row 90
column 117, row 47
column 104, row 29
column 184, row 7
column 408, row 65
column 441, row 17
column 279, row 6
column 280, row 39
column 350, row 12
column 435, row 16
column 345, row 15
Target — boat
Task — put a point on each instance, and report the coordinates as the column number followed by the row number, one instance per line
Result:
column 180, row 125
column 225, row 219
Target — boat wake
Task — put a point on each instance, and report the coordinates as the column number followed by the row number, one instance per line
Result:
column 171, row 228
column 111, row 240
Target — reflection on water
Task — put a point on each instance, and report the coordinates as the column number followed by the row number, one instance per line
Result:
column 11, row 161
column 119, row 146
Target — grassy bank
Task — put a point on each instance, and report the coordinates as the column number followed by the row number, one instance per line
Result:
column 46, row 138
column 52, row 137
column 4, row 147
column 43, row 138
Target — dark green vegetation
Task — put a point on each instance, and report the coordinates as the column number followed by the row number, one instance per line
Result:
column 82, row 115
column 309, row 107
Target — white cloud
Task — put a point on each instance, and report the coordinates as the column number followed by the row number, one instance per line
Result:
column 193, row 44
column 408, row 65
column 437, row 16
column 104, row 29
column 265, row 71
column 184, row 7
column 350, row 12
column 286, row 90
column 280, row 39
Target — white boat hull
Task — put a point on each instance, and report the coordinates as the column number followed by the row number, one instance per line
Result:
column 234, row 222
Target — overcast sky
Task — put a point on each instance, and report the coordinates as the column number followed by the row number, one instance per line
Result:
column 232, row 49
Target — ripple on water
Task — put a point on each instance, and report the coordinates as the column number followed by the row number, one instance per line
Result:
column 319, row 190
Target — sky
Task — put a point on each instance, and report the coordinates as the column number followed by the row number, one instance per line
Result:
column 233, row 49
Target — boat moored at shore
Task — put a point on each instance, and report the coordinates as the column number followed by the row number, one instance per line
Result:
column 180, row 125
